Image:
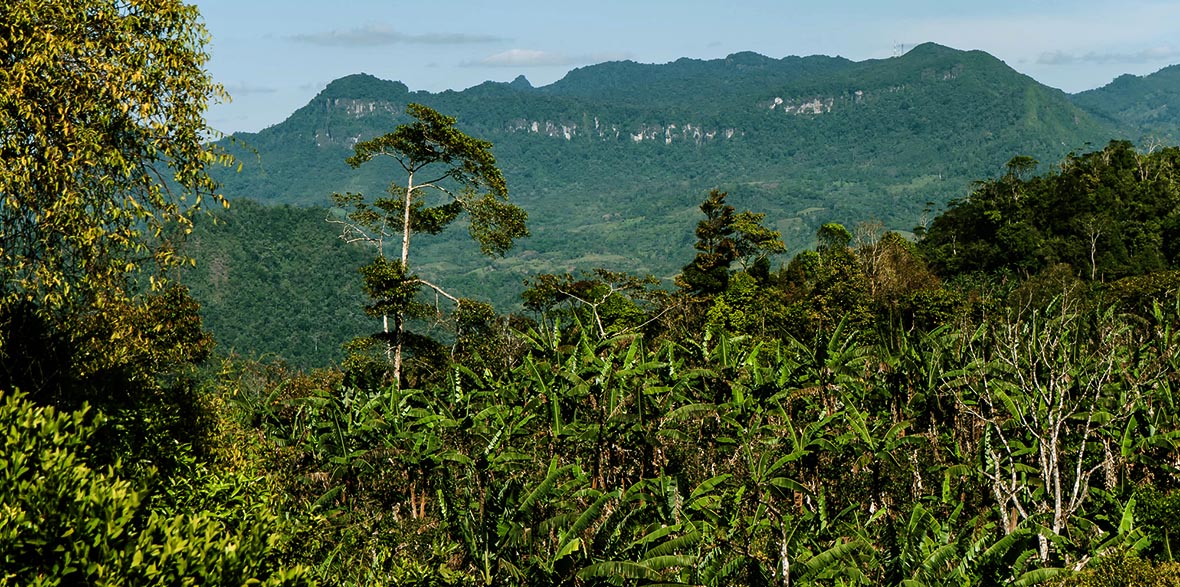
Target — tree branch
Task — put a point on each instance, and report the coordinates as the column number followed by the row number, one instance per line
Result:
column 440, row 291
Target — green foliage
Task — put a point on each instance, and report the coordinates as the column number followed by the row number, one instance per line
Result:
column 432, row 138
column 1146, row 105
column 1123, row 572
column 722, row 238
column 838, row 457
column 848, row 419
column 901, row 132
column 608, row 303
column 66, row 523
column 101, row 103
column 277, row 281
column 1106, row 214
column 832, row 236
column 1159, row 513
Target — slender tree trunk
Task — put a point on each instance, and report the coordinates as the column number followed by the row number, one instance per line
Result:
column 385, row 328
column 406, row 221
column 1093, row 255
column 397, row 352
column 784, row 577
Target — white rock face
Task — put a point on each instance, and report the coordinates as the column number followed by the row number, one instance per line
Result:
column 360, row 108
column 603, row 131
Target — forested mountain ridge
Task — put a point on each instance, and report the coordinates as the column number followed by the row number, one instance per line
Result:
column 763, row 118
column 1149, row 105
column 612, row 161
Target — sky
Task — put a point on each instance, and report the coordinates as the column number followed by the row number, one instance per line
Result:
column 274, row 56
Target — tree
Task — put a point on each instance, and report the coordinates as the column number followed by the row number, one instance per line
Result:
column 103, row 154
column 827, row 286
column 613, row 302
column 1052, row 393
column 722, row 238
column 456, row 166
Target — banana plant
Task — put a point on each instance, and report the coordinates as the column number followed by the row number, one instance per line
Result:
column 502, row 523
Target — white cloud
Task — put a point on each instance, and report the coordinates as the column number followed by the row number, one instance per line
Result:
column 247, row 88
column 535, row 58
column 1153, row 55
column 377, row 36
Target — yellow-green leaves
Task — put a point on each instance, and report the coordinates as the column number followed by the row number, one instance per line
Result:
column 103, row 159
column 101, row 135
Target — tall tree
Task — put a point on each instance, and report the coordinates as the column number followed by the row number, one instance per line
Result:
column 725, row 236
column 103, row 151
column 437, row 158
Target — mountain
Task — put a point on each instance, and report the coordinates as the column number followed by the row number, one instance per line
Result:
column 1149, row 105
column 742, row 120
column 612, row 161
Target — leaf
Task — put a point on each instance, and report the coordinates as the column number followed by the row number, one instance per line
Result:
column 567, row 549
column 688, row 410
column 544, row 487
column 1128, row 520
column 589, row 515
column 707, row 486
column 790, row 484
column 676, row 545
column 1009, row 404
column 326, row 500
column 1098, row 417
column 1001, row 547
column 667, row 561
column 1037, row 576
column 618, row 570
column 656, row 534
column 832, row 556
column 1127, row 444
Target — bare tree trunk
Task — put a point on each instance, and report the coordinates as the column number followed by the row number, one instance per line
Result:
column 385, row 328
column 785, row 563
column 397, row 352
column 1093, row 255
column 406, row 221
column 1050, row 390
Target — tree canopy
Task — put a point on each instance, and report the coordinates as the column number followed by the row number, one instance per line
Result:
column 437, row 158
column 102, row 136
column 104, row 471
column 1107, row 214
column 103, row 160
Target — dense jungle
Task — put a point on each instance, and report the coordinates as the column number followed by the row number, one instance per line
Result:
column 983, row 398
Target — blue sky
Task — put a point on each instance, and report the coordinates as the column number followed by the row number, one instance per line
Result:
column 273, row 56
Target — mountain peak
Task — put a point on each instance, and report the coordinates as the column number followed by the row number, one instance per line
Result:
column 932, row 49
column 748, row 59
column 363, row 86
column 521, row 83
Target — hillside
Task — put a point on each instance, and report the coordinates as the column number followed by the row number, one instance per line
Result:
column 1148, row 106
column 273, row 281
column 611, row 161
